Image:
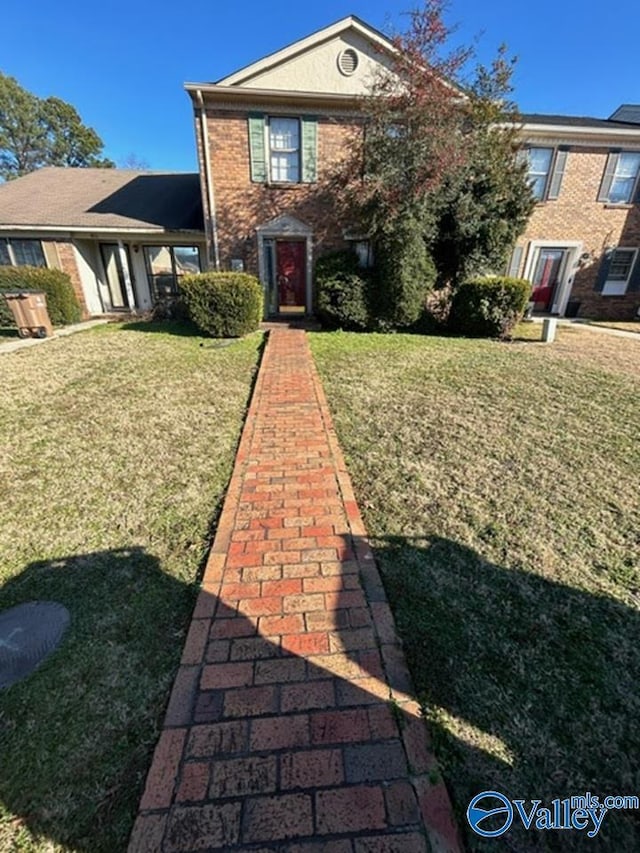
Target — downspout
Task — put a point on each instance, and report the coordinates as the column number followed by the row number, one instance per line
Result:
column 211, row 202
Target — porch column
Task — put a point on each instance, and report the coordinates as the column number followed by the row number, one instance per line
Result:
column 126, row 275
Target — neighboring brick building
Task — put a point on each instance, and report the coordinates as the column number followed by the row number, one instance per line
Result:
column 581, row 248
column 267, row 138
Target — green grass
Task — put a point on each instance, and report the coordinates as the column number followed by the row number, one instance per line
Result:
column 500, row 484
column 115, row 449
column 629, row 326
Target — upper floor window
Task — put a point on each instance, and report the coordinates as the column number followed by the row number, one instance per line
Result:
column 539, row 160
column 546, row 170
column 620, row 179
column 20, row 253
column 625, row 178
column 284, row 150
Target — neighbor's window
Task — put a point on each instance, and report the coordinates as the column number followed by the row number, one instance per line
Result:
column 619, row 272
column 284, row 150
column 20, row 253
column 539, row 160
column 625, row 178
column 166, row 265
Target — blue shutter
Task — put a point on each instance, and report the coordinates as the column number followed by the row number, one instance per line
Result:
column 309, row 137
column 634, row 281
column 257, row 151
column 557, row 172
column 607, row 178
column 603, row 272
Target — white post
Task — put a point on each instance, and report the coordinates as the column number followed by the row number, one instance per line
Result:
column 126, row 274
column 549, row 326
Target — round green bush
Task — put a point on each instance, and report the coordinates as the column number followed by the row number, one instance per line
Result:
column 223, row 304
column 342, row 292
column 488, row 307
column 62, row 303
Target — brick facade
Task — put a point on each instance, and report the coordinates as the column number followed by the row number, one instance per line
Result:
column 242, row 205
column 577, row 216
column 68, row 264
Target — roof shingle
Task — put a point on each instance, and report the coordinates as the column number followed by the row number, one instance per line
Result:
column 103, row 198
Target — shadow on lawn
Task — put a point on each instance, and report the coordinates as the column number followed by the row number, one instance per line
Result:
column 76, row 736
column 179, row 328
column 542, row 679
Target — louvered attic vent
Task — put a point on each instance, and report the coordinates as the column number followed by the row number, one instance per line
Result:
column 348, row 61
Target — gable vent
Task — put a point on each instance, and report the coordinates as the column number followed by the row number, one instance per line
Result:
column 347, row 61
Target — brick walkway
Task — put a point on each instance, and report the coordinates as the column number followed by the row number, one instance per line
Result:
column 290, row 726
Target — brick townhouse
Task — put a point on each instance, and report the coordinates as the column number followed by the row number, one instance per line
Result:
column 267, row 137
column 581, row 247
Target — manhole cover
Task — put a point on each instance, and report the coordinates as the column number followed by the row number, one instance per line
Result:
column 28, row 634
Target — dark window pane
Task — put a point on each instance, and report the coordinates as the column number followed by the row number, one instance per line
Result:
column 5, row 260
column 28, row 253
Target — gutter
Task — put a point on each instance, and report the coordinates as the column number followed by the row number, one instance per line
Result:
column 212, row 224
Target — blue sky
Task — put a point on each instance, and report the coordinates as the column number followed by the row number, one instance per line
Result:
column 123, row 64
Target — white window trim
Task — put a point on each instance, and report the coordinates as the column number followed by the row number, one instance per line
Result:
column 547, row 175
column 267, row 142
column 617, row 287
column 634, row 188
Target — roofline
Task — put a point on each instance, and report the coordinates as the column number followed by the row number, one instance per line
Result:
column 294, row 48
column 98, row 229
column 234, row 93
column 576, row 130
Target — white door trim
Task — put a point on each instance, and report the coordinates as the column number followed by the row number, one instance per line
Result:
column 573, row 249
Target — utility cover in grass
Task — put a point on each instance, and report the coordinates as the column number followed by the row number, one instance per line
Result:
column 28, row 635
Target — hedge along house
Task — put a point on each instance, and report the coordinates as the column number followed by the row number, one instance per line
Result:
column 267, row 137
column 123, row 237
column 581, row 247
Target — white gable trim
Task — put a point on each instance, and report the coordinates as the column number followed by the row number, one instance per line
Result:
column 243, row 75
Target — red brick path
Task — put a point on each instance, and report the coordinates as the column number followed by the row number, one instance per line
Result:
column 290, row 726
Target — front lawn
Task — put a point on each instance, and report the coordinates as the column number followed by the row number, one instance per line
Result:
column 630, row 326
column 500, row 483
column 115, row 449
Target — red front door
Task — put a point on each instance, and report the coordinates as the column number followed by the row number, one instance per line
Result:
column 546, row 277
column 290, row 270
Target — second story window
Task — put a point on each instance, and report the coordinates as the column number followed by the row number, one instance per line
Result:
column 284, row 150
column 539, row 160
column 620, row 183
column 625, row 178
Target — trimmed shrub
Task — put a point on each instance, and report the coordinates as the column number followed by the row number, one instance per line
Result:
column 62, row 303
column 223, row 304
column 342, row 290
column 406, row 276
column 488, row 307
